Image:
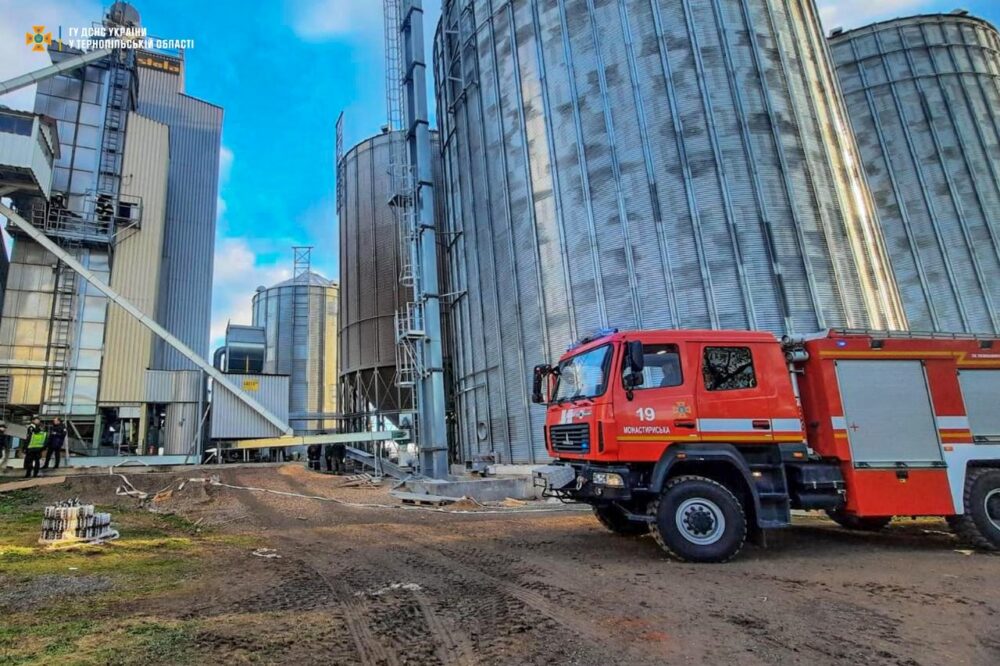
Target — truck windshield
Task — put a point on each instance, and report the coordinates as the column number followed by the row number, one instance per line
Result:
column 584, row 375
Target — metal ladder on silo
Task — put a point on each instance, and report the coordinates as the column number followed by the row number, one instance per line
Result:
column 401, row 202
column 113, row 140
column 60, row 340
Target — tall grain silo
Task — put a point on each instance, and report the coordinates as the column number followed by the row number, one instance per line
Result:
column 665, row 164
column 371, row 292
column 299, row 317
column 923, row 94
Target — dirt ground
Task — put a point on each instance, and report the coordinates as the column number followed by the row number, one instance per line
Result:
column 390, row 586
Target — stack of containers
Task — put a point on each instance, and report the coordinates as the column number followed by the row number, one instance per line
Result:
column 71, row 521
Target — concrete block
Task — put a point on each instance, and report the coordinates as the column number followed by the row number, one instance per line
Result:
column 493, row 489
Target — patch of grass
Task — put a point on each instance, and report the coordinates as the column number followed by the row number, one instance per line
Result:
column 157, row 555
column 17, row 501
column 112, row 641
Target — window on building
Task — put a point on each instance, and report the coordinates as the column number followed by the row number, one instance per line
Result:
column 663, row 367
column 11, row 123
column 728, row 369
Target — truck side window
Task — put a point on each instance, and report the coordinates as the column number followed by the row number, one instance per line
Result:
column 663, row 367
column 728, row 369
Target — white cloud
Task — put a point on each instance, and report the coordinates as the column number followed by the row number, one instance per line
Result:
column 225, row 164
column 18, row 18
column 849, row 14
column 325, row 19
column 225, row 169
column 238, row 272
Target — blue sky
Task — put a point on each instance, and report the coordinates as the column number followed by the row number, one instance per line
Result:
column 283, row 70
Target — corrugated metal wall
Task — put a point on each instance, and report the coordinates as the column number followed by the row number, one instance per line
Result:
column 233, row 419
column 136, row 272
column 185, row 306
column 180, row 391
column 924, row 98
column 300, row 323
column 24, row 328
column 369, row 279
column 641, row 164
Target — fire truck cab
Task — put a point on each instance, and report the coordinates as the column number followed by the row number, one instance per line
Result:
column 704, row 438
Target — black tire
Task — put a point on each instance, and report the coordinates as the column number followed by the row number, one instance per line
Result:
column 857, row 523
column 979, row 526
column 707, row 539
column 616, row 521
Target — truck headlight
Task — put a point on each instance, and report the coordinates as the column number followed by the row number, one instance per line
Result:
column 609, row 480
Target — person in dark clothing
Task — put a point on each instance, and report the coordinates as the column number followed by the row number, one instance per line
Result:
column 338, row 452
column 312, row 453
column 328, row 454
column 4, row 445
column 35, row 448
column 54, row 444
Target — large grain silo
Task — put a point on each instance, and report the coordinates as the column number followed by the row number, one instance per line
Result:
column 641, row 164
column 371, row 292
column 923, row 94
column 299, row 317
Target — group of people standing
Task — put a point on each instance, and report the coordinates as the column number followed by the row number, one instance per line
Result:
column 41, row 440
column 334, row 454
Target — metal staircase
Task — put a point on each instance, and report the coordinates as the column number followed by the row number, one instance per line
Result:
column 402, row 188
column 419, row 356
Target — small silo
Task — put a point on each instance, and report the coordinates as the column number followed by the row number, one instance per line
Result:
column 665, row 164
column 369, row 281
column 923, row 94
column 299, row 317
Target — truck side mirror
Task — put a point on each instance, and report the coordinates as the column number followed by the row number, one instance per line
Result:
column 541, row 372
column 635, row 359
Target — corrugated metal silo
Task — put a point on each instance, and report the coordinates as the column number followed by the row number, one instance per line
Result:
column 630, row 163
column 369, row 278
column 185, row 299
column 923, row 96
column 300, row 321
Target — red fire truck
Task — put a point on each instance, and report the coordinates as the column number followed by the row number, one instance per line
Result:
column 707, row 437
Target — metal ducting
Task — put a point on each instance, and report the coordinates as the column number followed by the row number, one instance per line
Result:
column 641, row 164
column 299, row 317
column 371, row 293
column 923, row 94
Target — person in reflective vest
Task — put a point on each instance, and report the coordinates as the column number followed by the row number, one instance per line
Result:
column 36, row 447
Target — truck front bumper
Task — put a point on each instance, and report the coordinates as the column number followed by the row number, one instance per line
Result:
column 587, row 483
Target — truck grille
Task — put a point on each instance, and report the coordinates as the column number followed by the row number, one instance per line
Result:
column 570, row 438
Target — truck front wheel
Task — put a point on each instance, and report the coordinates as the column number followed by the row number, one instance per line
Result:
column 699, row 520
column 616, row 521
column 979, row 526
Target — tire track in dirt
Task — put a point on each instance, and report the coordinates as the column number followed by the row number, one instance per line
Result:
column 354, row 610
column 468, row 562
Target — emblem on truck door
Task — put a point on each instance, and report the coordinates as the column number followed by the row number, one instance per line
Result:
column 681, row 409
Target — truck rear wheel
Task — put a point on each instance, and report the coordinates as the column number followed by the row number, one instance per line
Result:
column 613, row 518
column 858, row 523
column 979, row 526
column 699, row 520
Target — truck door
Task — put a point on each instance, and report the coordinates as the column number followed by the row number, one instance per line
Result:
column 897, row 465
column 888, row 414
column 734, row 404
column 662, row 410
column 981, row 392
